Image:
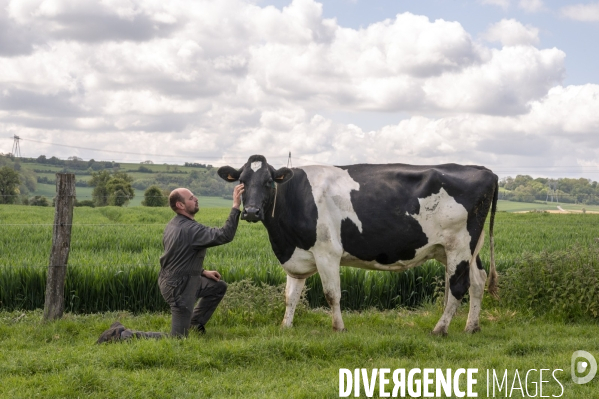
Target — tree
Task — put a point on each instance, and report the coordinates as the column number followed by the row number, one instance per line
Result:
column 153, row 196
column 9, row 185
column 111, row 189
column 120, row 191
column 39, row 200
column 98, row 182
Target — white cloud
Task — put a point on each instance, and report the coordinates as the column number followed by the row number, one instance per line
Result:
column 259, row 80
column 510, row 32
column 505, row 4
column 582, row 12
column 569, row 111
column 531, row 5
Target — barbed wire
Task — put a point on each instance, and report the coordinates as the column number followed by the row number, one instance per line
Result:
column 228, row 158
column 224, row 158
column 85, row 265
column 496, row 223
column 501, row 194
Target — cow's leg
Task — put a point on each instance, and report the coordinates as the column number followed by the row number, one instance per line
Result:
column 458, row 270
column 293, row 293
column 328, row 268
column 478, row 276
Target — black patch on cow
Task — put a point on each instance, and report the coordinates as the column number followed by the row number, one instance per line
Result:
column 479, row 263
column 460, row 281
column 294, row 223
column 388, row 196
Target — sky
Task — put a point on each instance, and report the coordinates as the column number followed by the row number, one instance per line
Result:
column 508, row 84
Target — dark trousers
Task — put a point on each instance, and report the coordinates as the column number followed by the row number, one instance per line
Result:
column 181, row 293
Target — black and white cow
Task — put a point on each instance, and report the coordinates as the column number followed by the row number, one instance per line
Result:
column 376, row 217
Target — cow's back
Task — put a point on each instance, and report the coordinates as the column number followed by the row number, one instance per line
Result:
column 375, row 212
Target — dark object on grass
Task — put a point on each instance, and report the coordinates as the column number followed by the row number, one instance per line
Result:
column 112, row 334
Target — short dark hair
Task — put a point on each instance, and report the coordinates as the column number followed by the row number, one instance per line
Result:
column 175, row 197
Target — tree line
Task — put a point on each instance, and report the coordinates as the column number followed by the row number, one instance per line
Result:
column 111, row 185
column 114, row 186
column 524, row 188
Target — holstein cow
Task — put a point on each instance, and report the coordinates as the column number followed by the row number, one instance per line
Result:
column 376, row 217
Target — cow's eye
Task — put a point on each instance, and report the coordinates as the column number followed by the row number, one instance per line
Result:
column 268, row 183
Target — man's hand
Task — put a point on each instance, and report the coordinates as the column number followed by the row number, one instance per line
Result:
column 213, row 274
column 237, row 191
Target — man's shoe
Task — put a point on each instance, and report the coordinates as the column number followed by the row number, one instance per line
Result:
column 200, row 329
column 112, row 334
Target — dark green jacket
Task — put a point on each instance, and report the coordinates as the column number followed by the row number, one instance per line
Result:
column 185, row 242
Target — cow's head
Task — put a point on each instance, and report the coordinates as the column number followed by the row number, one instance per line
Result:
column 259, row 180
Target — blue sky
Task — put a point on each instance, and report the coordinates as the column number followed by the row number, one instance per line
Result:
column 509, row 84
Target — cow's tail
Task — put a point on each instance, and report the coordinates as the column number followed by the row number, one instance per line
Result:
column 493, row 279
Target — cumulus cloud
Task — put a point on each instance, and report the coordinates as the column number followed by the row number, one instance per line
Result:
column 93, row 21
column 510, row 32
column 531, row 5
column 195, row 80
column 505, row 4
column 582, row 12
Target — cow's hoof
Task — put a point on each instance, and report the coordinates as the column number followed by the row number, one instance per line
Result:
column 472, row 330
column 340, row 330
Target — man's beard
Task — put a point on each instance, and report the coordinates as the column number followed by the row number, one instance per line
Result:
column 194, row 210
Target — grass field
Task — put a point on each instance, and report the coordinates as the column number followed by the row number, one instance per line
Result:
column 512, row 206
column 85, row 193
column 241, row 360
column 245, row 353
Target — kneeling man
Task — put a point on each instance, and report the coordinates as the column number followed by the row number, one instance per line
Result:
column 182, row 279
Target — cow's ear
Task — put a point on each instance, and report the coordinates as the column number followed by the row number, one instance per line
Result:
column 228, row 173
column 283, row 175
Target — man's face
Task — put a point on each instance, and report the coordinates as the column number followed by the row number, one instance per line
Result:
column 191, row 202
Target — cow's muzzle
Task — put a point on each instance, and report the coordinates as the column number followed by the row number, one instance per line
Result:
column 252, row 215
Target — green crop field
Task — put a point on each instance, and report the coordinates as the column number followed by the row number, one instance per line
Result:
column 85, row 193
column 113, row 262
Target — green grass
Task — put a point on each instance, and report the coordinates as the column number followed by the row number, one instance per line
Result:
column 115, row 251
column 60, row 359
column 512, row 206
column 85, row 193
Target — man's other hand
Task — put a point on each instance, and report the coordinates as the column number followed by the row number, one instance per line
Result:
column 237, row 191
column 213, row 274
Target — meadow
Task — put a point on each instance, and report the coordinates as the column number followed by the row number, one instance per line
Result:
column 85, row 193
column 238, row 358
column 112, row 276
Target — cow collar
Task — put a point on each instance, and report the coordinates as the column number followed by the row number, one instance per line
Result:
column 274, row 205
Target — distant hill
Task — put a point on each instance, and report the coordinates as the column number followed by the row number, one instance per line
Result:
column 201, row 179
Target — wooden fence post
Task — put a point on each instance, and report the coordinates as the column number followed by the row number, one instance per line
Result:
column 61, row 245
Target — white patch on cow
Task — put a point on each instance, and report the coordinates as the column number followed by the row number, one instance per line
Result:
column 331, row 188
column 256, row 165
column 444, row 222
column 301, row 264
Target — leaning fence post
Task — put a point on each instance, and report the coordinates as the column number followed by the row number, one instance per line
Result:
column 61, row 244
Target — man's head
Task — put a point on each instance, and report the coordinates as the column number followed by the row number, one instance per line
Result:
column 183, row 202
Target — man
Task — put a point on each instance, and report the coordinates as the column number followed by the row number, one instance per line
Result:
column 182, row 279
